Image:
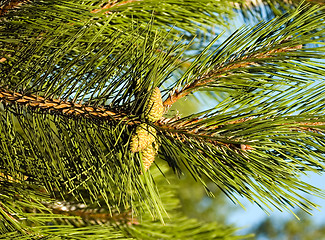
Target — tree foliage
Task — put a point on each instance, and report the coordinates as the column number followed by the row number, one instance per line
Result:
column 86, row 89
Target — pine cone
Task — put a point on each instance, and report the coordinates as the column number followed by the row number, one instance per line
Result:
column 148, row 156
column 155, row 109
column 144, row 136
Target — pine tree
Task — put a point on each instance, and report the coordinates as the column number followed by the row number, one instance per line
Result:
column 89, row 132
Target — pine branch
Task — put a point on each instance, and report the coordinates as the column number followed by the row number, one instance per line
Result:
column 256, row 141
column 29, row 22
column 189, row 128
column 221, row 71
column 21, row 205
column 75, row 158
column 95, row 217
column 183, row 130
column 197, row 126
column 69, row 109
column 257, row 60
column 253, row 10
column 80, row 221
column 50, row 115
column 109, row 5
column 56, row 106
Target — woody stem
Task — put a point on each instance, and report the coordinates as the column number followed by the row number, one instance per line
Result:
column 65, row 108
column 215, row 74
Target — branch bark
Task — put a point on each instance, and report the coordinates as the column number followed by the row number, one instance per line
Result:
column 65, row 108
column 102, row 217
column 193, row 129
column 115, row 3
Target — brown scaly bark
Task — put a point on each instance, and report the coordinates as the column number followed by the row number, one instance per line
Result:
column 181, row 132
column 111, row 4
column 188, row 129
column 89, row 215
column 56, row 106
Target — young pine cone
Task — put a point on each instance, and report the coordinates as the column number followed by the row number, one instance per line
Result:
column 155, row 108
column 148, row 156
column 144, row 136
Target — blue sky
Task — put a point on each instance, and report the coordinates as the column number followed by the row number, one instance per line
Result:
column 253, row 214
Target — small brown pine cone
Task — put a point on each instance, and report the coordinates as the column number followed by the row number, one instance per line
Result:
column 155, row 109
column 144, row 136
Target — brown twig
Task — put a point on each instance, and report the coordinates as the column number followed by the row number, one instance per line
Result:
column 65, row 108
column 169, row 123
column 110, row 4
column 9, row 5
column 9, row 216
column 212, row 75
column 11, row 179
column 181, row 132
column 309, row 129
column 184, row 129
column 89, row 215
